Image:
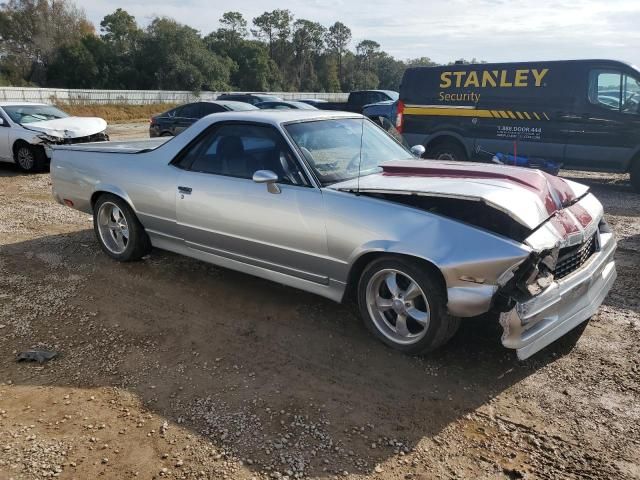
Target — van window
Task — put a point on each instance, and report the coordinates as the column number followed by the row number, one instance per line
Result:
column 614, row 91
column 604, row 89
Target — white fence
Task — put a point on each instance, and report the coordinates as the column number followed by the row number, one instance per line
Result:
column 134, row 97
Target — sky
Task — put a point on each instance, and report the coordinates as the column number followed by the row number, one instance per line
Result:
column 490, row 30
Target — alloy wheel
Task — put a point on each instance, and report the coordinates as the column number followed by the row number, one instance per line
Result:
column 398, row 306
column 113, row 228
column 25, row 157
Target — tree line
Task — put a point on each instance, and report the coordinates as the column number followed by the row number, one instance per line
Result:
column 50, row 43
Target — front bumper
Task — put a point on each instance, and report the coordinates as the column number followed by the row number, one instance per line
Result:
column 534, row 324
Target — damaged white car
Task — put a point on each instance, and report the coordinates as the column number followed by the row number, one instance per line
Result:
column 27, row 131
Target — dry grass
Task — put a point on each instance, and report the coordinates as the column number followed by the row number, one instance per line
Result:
column 116, row 113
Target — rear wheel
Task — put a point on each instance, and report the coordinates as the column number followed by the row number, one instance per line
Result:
column 635, row 175
column 447, row 151
column 404, row 305
column 29, row 158
column 120, row 233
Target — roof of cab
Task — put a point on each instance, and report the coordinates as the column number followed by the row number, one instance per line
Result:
column 278, row 117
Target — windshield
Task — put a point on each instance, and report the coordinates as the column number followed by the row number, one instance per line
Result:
column 241, row 106
column 33, row 113
column 332, row 147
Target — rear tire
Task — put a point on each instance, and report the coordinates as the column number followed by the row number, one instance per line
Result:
column 118, row 230
column 411, row 315
column 635, row 175
column 29, row 158
column 447, row 151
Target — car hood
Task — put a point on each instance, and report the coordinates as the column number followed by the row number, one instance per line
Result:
column 528, row 196
column 69, row 127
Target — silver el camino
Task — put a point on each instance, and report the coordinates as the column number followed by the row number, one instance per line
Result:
column 329, row 203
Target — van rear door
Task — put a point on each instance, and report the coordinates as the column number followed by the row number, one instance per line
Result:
column 604, row 132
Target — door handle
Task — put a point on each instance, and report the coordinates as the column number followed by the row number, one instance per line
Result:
column 185, row 190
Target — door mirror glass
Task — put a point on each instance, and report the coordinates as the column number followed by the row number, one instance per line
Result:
column 2, row 122
column 268, row 177
column 418, row 150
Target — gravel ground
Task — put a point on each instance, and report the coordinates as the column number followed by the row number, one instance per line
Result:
column 172, row 368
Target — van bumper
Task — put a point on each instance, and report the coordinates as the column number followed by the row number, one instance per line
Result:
column 534, row 324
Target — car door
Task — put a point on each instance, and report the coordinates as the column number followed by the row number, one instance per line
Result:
column 187, row 116
column 5, row 144
column 221, row 211
column 605, row 132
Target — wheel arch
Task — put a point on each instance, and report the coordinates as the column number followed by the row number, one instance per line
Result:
column 633, row 159
column 112, row 190
column 366, row 258
column 446, row 137
column 18, row 142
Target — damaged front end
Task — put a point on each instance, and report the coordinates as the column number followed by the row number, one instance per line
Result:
column 48, row 141
column 561, row 284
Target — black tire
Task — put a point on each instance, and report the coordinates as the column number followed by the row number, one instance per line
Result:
column 137, row 244
column 635, row 175
column 447, row 151
column 29, row 158
column 441, row 326
column 166, row 134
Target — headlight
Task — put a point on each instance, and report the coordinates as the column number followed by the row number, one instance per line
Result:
column 49, row 138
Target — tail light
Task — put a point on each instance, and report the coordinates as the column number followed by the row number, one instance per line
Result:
column 152, row 120
column 400, row 116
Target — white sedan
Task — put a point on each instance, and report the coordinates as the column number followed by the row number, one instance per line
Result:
column 27, row 131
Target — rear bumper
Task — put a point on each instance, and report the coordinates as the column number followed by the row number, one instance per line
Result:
column 534, row 324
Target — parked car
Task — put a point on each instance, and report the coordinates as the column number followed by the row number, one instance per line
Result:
column 27, row 131
column 584, row 114
column 357, row 100
column 380, row 110
column 252, row 98
column 299, row 197
column 174, row 121
column 285, row 105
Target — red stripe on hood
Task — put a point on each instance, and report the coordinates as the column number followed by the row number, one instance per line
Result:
column 554, row 192
column 564, row 223
column 581, row 214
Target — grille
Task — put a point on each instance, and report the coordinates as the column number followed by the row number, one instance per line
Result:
column 571, row 259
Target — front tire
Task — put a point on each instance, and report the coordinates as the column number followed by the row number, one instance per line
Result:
column 447, row 151
column 635, row 176
column 118, row 230
column 29, row 158
column 404, row 305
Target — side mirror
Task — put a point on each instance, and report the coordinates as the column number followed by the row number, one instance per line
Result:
column 418, row 150
column 2, row 122
column 268, row 177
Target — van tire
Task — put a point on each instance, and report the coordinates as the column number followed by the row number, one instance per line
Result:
column 635, row 175
column 447, row 150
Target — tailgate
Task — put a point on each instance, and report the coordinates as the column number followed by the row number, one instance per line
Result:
column 129, row 146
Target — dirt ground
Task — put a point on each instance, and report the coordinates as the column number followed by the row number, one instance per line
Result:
column 172, row 368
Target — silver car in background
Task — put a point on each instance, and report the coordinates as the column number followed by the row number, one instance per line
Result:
column 328, row 203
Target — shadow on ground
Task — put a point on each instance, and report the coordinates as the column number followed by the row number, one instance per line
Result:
column 176, row 331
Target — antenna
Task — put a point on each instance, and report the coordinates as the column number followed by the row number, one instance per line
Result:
column 360, row 162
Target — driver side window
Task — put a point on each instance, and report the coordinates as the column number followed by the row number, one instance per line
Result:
column 236, row 150
column 614, row 91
